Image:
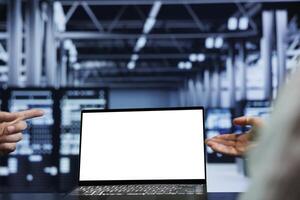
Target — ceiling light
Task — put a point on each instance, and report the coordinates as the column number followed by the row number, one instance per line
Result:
column 243, row 23
column 181, row 65
column 155, row 9
column 193, row 57
column 209, row 42
column 148, row 25
column 188, row 65
column 232, row 23
column 131, row 65
column 141, row 42
column 218, row 42
column 200, row 57
column 134, row 57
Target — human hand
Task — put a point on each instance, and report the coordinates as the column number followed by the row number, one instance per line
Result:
column 236, row 144
column 11, row 127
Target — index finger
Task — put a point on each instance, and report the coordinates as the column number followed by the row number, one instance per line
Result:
column 7, row 116
column 28, row 114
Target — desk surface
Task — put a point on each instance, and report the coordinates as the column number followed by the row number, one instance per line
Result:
column 60, row 196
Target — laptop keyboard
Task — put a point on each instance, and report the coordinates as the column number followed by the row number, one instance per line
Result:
column 153, row 189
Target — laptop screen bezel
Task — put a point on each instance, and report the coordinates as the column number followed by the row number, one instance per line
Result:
column 163, row 181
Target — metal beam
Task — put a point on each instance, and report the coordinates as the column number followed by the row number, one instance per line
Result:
column 92, row 16
column 140, row 12
column 230, row 71
column 62, row 71
column 250, row 13
column 191, row 92
column 266, row 51
column 242, row 61
column 199, row 90
column 137, row 79
column 245, row 13
column 50, row 48
column 199, row 24
column 85, row 35
column 212, row 79
column 155, row 56
column 281, row 41
column 71, row 11
column 141, row 70
column 182, row 97
column 33, row 43
column 217, row 86
column 96, row 35
column 14, row 24
column 176, row 44
column 116, row 19
column 207, row 88
column 168, row 2
column 137, row 24
column 134, row 85
column 122, row 44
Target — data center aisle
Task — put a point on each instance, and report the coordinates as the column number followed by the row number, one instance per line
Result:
column 225, row 178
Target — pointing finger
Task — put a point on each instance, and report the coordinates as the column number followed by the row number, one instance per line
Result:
column 7, row 117
column 28, row 114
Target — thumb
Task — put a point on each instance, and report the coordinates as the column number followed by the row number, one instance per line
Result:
column 243, row 121
column 7, row 117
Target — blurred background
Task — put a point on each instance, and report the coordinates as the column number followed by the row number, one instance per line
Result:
column 63, row 56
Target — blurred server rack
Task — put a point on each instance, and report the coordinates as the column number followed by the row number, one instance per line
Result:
column 218, row 121
column 258, row 108
column 72, row 101
column 47, row 157
column 34, row 163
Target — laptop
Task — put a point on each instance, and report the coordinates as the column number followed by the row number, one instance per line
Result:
column 138, row 153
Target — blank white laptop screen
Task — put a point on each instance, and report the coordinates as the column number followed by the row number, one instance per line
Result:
column 142, row 145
